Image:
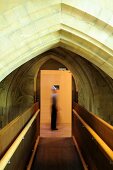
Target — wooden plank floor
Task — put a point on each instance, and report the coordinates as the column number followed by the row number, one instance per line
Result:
column 56, row 154
column 64, row 130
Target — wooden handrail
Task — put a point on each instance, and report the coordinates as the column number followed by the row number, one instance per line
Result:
column 104, row 146
column 97, row 117
column 6, row 158
column 103, row 121
column 17, row 118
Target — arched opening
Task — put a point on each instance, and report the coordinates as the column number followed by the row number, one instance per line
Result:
column 92, row 85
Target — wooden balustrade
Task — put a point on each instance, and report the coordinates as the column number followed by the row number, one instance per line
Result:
column 96, row 152
column 9, row 133
column 102, row 128
column 15, row 157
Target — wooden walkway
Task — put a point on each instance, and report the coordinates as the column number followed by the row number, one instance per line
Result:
column 64, row 130
column 56, row 154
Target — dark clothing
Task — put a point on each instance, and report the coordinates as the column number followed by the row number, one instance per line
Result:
column 54, row 99
column 54, row 112
column 53, row 117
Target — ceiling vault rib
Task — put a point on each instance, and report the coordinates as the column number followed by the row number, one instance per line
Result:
column 52, row 24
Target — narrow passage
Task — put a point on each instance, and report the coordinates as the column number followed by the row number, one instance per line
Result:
column 56, row 154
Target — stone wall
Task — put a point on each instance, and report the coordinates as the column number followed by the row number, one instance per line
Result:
column 92, row 88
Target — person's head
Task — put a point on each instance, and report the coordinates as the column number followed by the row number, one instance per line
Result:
column 54, row 89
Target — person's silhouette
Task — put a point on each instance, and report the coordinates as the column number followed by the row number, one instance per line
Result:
column 54, row 108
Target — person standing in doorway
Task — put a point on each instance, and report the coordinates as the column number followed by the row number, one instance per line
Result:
column 54, row 108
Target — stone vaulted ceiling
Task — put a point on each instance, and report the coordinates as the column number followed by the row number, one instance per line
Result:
column 31, row 27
